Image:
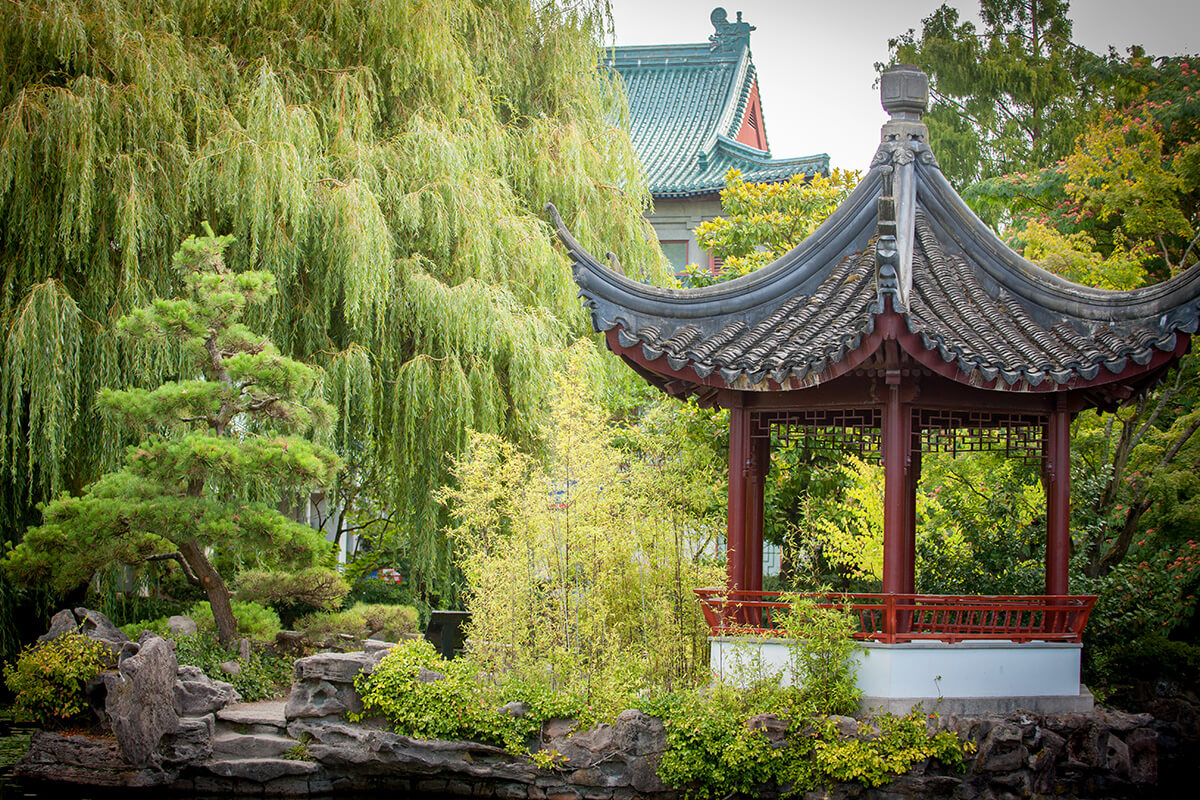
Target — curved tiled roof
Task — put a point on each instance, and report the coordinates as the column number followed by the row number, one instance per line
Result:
column 998, row 319
column 686, row 105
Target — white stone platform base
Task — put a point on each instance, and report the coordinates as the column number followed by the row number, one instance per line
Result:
column 960, row 678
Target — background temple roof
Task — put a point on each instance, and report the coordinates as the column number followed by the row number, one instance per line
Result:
column 687, row 105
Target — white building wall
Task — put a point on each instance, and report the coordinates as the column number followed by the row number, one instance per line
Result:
column 676, row 220
column 922, row 671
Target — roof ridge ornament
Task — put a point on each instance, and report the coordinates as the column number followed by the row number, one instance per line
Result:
column 730, row 37
column 904, row 93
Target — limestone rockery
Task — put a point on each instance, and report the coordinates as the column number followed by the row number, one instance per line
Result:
column 171, row 727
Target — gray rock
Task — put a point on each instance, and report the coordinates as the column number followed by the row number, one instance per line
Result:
column 251, row 745
column 1143, row 755
column 128, row 650
column 181, row 625
column 85, row 759
column 267, row 713
column 1116, row 758
column 517, row 708
column 261, row 770
column 375, row 646
column 95, row 625
column 770, row 726
column 140, row 703
column 430, row 676
column 1001, row 750
column 61, row 624
column 846, row 726
column 231, row 667
column 335, row 667
column 197, row 694
column 637, row 733
column 321, row 699
column 191, row 744
column 360, row 752
column 243, row 648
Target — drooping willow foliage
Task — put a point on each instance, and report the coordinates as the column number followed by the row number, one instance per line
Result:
column 386, row 161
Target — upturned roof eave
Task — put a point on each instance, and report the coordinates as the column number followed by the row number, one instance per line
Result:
column 843, row 232
column 1039, row 288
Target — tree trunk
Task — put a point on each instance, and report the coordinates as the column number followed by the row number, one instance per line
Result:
column 215, row 588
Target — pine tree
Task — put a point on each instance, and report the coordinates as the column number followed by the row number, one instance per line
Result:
column 207, row 483
column 387, row 162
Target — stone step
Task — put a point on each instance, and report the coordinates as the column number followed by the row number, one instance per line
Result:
column 257, row 745
column 261, row 770
column 266, row 713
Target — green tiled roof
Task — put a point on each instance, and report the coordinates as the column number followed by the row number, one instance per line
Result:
column 686, row 103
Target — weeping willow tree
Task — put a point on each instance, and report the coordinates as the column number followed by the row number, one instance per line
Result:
column 386, row 162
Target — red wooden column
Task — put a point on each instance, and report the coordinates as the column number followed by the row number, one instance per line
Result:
column 735, row 528
column 895, row 434
column 1058, row 500
column 760, row 459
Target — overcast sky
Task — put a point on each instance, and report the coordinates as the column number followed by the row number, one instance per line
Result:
column 816, row 60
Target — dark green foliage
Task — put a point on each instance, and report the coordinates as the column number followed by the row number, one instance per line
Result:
column 459, row 707
column 1010, row 97
column 293, row 594
column 47, row 679
column 254, row 621
column 263, row 675
column 372, row 590
column 713, row 751
column 220, row 447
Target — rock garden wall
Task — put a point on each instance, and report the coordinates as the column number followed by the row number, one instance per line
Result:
column 169, row 726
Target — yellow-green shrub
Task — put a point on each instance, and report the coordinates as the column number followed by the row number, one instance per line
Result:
column 48, row 678
column 253, row 620
column 362, row 620
column 594, row 591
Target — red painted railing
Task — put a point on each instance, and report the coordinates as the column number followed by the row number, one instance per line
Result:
column 892, row 618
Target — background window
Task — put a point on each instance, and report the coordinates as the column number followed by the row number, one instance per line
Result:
column 676, row 253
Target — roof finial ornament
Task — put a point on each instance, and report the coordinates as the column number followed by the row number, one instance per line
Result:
column 730, row 37
column 904, row 92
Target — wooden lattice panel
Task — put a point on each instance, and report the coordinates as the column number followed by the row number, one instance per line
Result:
column 834, row 431
column 1020, row 436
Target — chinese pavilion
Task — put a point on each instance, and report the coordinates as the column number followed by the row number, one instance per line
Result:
column 903, row 325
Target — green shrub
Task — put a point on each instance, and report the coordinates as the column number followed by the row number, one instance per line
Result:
column 821, row 649
column 254, row 621
column 458, row 707
column 158, row 626
column 263, row 675
column 375, row 591
column 363, row 620
column 386, row 621
column 293, row 594
column 713, row 752
column 48, row 678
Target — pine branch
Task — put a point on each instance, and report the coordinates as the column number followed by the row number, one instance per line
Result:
column 177, row 556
